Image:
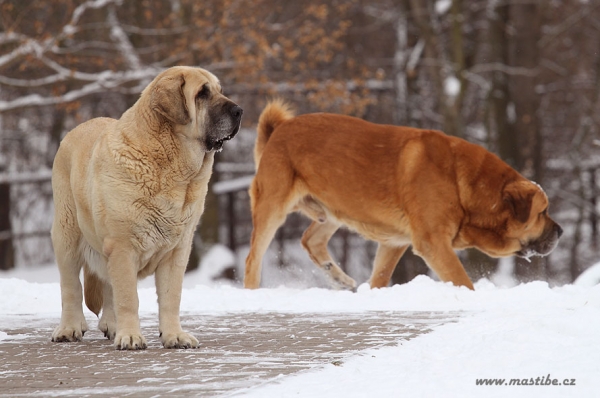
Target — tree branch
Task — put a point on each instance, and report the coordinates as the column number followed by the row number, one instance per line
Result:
column 105, row 81
column 120, row 37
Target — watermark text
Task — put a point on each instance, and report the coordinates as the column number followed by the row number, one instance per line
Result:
column 538, row 381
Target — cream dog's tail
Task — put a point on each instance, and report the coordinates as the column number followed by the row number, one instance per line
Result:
column 92, row 290
column 275, row 113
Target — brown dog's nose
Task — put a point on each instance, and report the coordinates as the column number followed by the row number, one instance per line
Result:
column 559, row 230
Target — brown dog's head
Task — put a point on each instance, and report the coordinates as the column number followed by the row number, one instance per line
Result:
column 529, row 226
column 192, row 100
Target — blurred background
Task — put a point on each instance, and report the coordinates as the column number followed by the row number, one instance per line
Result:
column 517, row 77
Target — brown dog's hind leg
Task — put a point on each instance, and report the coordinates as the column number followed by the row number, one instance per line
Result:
column 314, row 241
column 269, row 209
column 386, row 259
column 313, row 209
column 265, row 225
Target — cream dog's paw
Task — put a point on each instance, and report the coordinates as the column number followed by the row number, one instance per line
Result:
column 179, row 339
column 73, row 331
column 70, row 330
column 130, row 340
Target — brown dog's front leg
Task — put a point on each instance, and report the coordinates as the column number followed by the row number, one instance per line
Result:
column 440, row 257
column 386, row 259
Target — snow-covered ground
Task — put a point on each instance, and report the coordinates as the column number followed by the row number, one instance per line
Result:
column 531, row 333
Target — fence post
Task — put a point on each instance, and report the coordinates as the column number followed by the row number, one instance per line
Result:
column 594, row 212
column 7, row 253
column 231, row 220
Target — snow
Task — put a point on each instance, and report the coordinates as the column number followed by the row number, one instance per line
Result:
column 452, row 86
column 511, row 112
column 6, row 336
column 232, row 185
column 505, row 276
column 442, row 6
column 589, row 277
column 448, row 361
column 527, row 331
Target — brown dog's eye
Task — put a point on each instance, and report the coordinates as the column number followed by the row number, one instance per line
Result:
column 204, row 93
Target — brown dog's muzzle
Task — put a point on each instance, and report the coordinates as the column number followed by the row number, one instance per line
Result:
column 544, row 245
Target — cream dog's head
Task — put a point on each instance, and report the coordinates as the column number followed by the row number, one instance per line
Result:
column 192, row 101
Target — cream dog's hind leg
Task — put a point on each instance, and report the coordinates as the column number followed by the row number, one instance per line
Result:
column 108, row 320
column 66, row 238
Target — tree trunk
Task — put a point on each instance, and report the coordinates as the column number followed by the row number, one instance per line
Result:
column 459, row 64
column 525, row 20
column 7, row 254
column 409, row 266
column 423, row 16
column 506, row 137
column 400, row 57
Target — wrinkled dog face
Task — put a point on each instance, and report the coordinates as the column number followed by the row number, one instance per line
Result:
column 192, row 99
column 530, row 223
column 223, row 116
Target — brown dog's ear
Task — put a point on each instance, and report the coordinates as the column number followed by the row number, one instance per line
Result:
column 168, row 99
column 518, row 197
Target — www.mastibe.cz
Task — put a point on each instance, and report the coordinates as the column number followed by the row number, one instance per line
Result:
column 539, row 381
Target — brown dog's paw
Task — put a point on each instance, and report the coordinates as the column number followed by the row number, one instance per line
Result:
column 179, row 340
column 339, row 279
column 130, row 341
column 69, row 333
column 344, row 282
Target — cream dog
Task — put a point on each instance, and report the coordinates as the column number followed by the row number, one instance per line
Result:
column 128, row 196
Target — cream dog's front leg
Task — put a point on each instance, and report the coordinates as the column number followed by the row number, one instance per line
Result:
column 169, row 281
column 122, row 271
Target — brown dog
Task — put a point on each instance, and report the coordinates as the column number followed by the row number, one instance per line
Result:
column 128, row 195
column 394, row 185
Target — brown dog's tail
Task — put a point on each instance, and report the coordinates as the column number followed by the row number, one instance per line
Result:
column 92, row 290
column 275, row 113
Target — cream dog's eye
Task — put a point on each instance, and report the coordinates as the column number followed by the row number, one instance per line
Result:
column 204, row 93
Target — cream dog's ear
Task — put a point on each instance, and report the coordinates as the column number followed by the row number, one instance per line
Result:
column 168, row 99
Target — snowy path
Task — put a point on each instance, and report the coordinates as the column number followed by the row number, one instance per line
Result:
column 346, row 344
column 238, row 351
